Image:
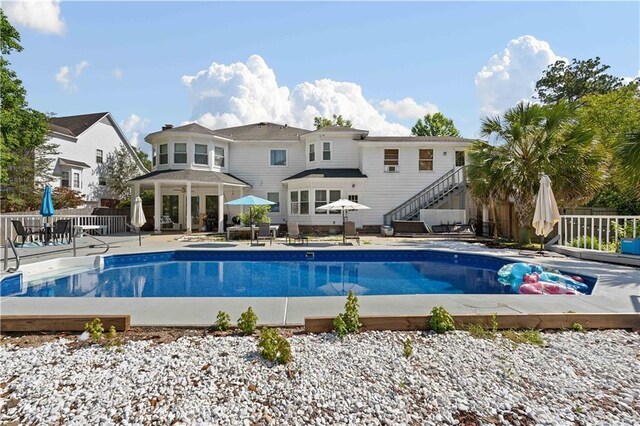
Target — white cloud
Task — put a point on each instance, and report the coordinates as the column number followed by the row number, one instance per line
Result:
column 65, row 77
column 118, row 74
column 133, row 128
column 408, row 108
column 242, row 93
column 511, row 75
column 41, row 15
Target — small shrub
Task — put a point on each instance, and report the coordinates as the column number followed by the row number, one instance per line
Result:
column 441, row 321
column 349, row 321
column 532, row 336
column 223, row 321
column 407, row 348
column 576, row 326
column 481, row 331
column 95, row 329
column 247, row 322
column 340, row 327
column 274, row 347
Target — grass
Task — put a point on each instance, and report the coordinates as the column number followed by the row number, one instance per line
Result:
column 531, row 337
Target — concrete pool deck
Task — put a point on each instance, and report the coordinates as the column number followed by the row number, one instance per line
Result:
column 617, row 291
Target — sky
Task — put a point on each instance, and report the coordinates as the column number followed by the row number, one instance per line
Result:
column 381, row 64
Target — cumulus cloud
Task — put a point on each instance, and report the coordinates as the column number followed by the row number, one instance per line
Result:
column 133, row 128
column 118, row 74
column 41, row 15
column 408, row 108
column 511, row 75
column 242, row 93
column 65, row 77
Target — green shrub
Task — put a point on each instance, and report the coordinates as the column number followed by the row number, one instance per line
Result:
column 274, row 347
column 576, row 326
column 95, row 329
column 407, row 348
column 340, row 327
column 223, row 321
column 247, row 322
column 441, row 321
column 586, row 241
column 259, row 214
column 348, row 321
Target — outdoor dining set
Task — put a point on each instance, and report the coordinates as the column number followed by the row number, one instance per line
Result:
column 45, row 233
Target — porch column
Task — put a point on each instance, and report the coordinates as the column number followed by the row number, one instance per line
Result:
column 157, row 207
column 220, row 208
column 189, row 221
column 135, row 192
column 485, row 219
column 241, row 195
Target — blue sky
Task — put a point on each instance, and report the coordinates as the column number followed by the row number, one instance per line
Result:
column 380, row 64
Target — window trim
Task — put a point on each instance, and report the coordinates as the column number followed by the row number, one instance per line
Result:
column 160, row 154
column 99, row 158
column 286, row 157
column 387, row 167
column 329, row 151
column 428, row 159
column 312, row 150
column 196, row 154
column 186, row 155
column 153, row 155
column 68, row 179
column 277, row 202
column 455, row 158
column 216, row 156
column 299, row 203
column 78, row 183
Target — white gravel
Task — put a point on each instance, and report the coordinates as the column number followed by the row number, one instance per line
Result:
column 577, row 378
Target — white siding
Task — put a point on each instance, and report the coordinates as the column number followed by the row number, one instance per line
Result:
column 344, row 153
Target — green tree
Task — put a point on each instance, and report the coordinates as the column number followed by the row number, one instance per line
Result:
column 25, row 155
column 532, row 140
column 570, row 82
column 338, row 120
column 435, row 125
column 119, row 168
column 144, row 158
column 66, row 198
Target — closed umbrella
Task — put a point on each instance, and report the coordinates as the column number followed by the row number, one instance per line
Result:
column 138, row 220
column 46, row 208
column 250, row 200
column 546, row 214
column 344, row 206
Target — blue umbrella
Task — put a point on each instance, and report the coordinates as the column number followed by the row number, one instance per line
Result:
column 250, row 200
column 46, row 207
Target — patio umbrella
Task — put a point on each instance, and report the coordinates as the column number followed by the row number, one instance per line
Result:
column 47, row 210
column 343, row 206
column 138, row 220
column 251, row 201
column 546, row 214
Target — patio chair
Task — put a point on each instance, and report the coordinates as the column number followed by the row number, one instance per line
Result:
column 294, row 234
column 21, row 232
column 350, row 232
column 264, row 233
column 61, row 228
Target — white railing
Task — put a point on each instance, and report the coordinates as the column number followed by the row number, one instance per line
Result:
column 108, row 224
column 602, row 233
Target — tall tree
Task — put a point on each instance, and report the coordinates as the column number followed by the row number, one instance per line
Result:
column 435, row 125
column 119, row 169
column 570, row 82
column 533, row 140
column 338, row 120
column 144, row 157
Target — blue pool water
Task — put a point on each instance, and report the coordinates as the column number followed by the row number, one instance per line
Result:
column 280, row 274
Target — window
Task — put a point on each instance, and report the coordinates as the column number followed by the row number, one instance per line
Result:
column 312, row 152
column 326, row 151
column 425, row 161
column 278, row 157
column 324, row 197
column 218, row 159
column 76, row 180
column 295, row 204
column 274, row 197
column 180, row 153
column 164, row 154
column 153, row 156
column 64, row 179
column 102, row 181
column 459, row 158
column 299, row 202
column 304, row 202
column 391, row 160
column 200, row 155
column 353, row 198
column 334, row 195
column 99, row 156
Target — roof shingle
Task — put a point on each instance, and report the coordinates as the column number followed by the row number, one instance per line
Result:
column 329, row 173
column 74, row 125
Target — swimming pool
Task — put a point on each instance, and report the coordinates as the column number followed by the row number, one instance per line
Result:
column 212, row 273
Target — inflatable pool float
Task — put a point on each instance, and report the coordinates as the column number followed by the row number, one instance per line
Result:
column 528, row 278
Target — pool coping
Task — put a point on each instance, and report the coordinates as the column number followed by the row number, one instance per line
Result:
column 291, row 311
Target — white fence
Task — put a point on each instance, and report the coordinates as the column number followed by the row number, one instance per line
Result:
column 109, row 224
column 602, row 233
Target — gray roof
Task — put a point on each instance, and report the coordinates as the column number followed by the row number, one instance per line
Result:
column 263, row 131
column 416, row 139
column 201, row 176
column 73, row 163
column 340, row 129
column 328, row 173
column 192, row 128
column 74, row 125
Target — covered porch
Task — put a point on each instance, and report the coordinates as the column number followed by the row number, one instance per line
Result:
column 190, row 200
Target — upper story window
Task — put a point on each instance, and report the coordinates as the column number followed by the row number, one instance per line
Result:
column 278, row 157
column 425, row 160
column 164, row 154
column 459, row 158
column 64, row 179
column 218, row 159
column 180, row 153
column 274, row 197
column 153, row 156
column 99, row 156
column 326, row 151
column 391, row 160
column 76, row 180
column 200, row 156
column 312, row 152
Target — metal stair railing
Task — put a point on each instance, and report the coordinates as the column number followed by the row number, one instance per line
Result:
column 429, row 196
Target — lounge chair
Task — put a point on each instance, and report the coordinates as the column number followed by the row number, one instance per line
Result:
column 264, row 233
column 61, row 228
column 22, row 232
column 350, row 232
column 294, row 234
column 410, row 228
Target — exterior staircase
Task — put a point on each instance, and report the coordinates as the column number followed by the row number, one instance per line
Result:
column 450, row 183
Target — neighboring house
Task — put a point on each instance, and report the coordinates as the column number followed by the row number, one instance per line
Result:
column 84, row 142
column 300, row 170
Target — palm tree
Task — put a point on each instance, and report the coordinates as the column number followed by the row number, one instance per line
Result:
column 628, row 153
column 531, row 140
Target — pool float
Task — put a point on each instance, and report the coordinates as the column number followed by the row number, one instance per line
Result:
column 562, row 279
column 530, row 288
column 525, row 278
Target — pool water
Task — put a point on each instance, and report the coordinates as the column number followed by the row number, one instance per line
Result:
column 279, row 274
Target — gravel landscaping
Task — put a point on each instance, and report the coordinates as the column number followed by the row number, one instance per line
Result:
column 574, row 378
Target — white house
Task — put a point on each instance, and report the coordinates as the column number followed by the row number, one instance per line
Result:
column 196, row 170
column 84, row 142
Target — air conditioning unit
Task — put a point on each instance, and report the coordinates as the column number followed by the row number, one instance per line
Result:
column 391, row 169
